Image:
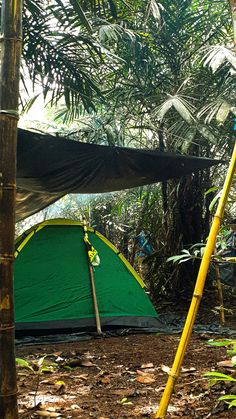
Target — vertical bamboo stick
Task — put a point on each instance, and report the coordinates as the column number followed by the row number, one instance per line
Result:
column 11, row 29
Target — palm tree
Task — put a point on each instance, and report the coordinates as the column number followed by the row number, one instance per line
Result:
column 166, row 95
column 146, row 65
column 60, row 52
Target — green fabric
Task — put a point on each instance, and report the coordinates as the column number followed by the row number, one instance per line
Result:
column 52, row 282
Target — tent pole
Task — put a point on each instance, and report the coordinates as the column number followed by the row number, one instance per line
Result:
column 198, row 291
column 91, row 275
column 11, row 41
column 95, row 304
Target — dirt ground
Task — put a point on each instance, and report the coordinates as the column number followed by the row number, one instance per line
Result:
column 122, row 377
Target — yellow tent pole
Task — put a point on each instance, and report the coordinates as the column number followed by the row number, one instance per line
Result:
column 198, row 291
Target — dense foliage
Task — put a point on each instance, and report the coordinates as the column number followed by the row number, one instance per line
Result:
column 147, row 74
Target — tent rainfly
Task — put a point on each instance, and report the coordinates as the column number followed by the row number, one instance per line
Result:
column 52, row 283
column 49, row 167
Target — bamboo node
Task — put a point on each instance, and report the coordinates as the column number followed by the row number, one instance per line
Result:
column 6, row 257
column 9, row 186
column 10, row 113
column 7, row 326
column 173, row 375
column 220, row 217
column 198, row 296
column 10, row 393
column 6, row 38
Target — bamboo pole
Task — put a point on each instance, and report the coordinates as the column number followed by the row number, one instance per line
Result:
column 198, row 291
column 11, row 30
column 95, row 304
column 91, row 275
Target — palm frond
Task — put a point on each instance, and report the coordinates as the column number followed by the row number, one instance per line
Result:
column 218, row 109
column 218, row 55
column 153, row 9
column 184, row 108
column 81, row 14
column 63, row 62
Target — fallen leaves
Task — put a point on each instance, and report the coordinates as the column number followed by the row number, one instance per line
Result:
column 185, row 371
column 225, row 364
column 124, row 392
column 47, row 414
column 78, row 362
column 145, row 377
column 106, row 379
column 148, row 365
column 118, row 381
column 165, row 368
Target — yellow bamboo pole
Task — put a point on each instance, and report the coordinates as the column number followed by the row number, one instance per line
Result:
column 198, row 291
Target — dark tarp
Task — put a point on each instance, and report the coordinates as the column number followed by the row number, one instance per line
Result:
column 49, row 167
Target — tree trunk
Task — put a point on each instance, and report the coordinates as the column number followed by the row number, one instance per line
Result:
column 9, row 93
column 186, row 226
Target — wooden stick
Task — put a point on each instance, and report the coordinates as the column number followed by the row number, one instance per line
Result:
column 95, row 304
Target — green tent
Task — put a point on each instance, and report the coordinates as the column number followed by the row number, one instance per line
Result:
column 52, row 282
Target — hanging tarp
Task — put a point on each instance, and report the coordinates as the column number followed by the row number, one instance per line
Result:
column 49, row 167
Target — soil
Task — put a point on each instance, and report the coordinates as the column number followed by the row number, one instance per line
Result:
column 122, row 377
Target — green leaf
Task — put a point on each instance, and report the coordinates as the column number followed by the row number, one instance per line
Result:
column 22, row 363
column 41, row 361
column 228, row 397
column 220, row 342
column 213, row 189
column 233, row 403
column 214, row 200
column 81, row 14
column 218, row 376
column 186, row 259
column 46, row 369
column 186, row 251
column 175, row 259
